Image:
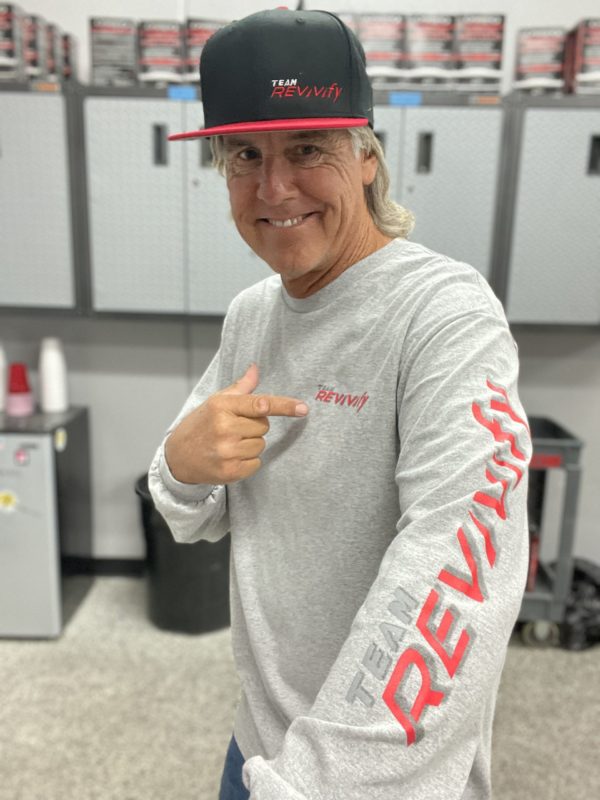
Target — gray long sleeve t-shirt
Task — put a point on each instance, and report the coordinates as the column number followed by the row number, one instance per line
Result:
column 379, row 556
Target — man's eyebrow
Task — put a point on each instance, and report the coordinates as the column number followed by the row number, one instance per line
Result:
column 231, row 141
column 311, row 134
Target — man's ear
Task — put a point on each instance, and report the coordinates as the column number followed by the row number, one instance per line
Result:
column 369, row 168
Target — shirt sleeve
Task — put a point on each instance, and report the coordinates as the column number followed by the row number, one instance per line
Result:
column 406, row 709
column 192, row 511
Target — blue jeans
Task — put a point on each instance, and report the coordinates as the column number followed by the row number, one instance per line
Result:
column 232, row 787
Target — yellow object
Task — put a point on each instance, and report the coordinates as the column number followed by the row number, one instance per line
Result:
column 8, row 501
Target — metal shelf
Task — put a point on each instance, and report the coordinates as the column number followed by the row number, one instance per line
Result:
column 554, row 447
column 541, row 603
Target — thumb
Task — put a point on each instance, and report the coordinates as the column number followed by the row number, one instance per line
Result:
column 246, row 384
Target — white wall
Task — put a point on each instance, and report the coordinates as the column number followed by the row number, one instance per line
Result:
column 135, row 374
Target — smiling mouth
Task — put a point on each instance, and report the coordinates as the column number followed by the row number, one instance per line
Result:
column 292, row 222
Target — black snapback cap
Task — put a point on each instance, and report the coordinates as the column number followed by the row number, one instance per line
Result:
column 283, row 70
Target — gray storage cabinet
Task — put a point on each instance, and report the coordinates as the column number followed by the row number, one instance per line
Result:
column 162, row 235
column 135, row 204
column 219, row 263
column 553, row 258
column 449, row 172
column 36, row 254
column 444, row 158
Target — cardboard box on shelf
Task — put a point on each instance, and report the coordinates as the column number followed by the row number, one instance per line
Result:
column 429, row 44
column 114, row 51
column 478, row 46
column 582, row 58
column 12, row 62
column 34, row 46
column 382, row 37
column 69, row 54
column 160, row 52
column 54, row 53
column 196, row 33
column 540, row 60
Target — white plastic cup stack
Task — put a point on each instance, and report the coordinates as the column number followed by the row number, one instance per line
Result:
column 53, row 377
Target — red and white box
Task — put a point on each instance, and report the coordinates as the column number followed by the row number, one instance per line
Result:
column 160, row 51
column 478, row 46
column 114, row 51
column 429, row 44
column 582, row 60
column 197, row 33
column 382, row 38
column 54, row 53
column 540, row 59
column 12, row 62
column 34, row 46
column 69, row 57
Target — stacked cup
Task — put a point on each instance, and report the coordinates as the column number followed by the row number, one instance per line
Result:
column 52, row 377
column 19, row 402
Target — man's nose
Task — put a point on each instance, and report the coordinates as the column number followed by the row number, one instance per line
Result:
column 275, row 180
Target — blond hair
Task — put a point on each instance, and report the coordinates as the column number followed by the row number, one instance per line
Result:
column 390, row 218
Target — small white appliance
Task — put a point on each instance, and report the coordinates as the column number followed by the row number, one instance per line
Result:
column 45, row 518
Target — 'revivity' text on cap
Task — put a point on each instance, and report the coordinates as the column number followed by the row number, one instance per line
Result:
column 283, row 70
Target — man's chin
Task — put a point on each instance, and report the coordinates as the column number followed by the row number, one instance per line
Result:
column 290, row 269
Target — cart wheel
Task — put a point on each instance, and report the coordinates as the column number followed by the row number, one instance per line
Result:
column 540, row 633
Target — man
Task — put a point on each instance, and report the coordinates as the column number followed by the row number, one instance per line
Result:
column 360, row 434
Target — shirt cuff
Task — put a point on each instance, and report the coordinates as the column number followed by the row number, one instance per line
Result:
column 192, row 492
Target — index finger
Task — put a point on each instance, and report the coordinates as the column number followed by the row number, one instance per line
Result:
column 269, row 405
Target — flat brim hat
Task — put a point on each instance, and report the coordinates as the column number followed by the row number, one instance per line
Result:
column 283, row 70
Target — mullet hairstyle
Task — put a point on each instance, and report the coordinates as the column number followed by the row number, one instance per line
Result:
column 390, row 218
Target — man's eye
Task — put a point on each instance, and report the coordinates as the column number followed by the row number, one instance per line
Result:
column 249, row 154
column 309, row 150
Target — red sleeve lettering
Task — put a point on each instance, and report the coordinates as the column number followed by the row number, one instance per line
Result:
column 436, row 639
column 425, row 697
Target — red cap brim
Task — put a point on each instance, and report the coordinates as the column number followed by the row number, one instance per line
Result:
column 274, row 125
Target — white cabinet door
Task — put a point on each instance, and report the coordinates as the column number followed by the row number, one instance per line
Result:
column 136, row 204
column 554, row 265
column 220, row 263
column 36, row 260
column 449, row 179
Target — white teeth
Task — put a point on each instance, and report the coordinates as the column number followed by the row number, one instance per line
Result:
column 285, row 223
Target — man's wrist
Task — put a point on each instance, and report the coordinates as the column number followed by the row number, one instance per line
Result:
column 193, row 492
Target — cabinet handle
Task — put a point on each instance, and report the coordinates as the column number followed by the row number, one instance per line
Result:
column 424, row 152
column 159, row 133
column 381, row 135
column 594, row 163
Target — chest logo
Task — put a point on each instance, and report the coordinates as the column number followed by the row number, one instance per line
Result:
column 326, row 394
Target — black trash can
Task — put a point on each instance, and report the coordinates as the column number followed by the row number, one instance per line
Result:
column 188, row 584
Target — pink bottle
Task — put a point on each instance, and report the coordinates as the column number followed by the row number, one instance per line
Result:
column 19, row 402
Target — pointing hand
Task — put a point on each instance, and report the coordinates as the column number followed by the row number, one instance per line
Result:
column 221, row 440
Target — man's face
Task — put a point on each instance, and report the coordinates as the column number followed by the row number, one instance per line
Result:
column 297, row 199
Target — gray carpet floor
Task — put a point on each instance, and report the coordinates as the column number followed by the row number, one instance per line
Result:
column 116, row 709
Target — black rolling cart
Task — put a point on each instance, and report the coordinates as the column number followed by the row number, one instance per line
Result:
column 544, row 602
